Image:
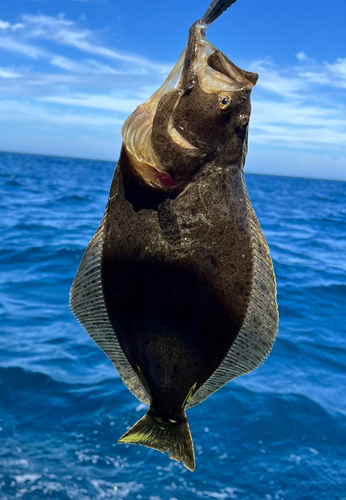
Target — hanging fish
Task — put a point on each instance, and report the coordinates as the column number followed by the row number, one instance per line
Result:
column 177, row 286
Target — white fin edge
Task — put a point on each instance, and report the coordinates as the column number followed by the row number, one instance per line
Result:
column 258, row 332
column 88, row 305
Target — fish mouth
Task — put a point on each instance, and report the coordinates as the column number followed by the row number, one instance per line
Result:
column 153, row 139
column 153, row 177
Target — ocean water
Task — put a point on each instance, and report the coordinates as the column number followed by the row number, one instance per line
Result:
column 277, row 433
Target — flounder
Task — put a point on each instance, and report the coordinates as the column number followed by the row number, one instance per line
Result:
column 177, row 286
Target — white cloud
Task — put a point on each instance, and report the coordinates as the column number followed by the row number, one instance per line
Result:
column 298, row 138
column 300, row 106
column 295, row 113
column 50, row 85
column 99, row 68
column 33, row 112
column 8, row 43
column 338, row 70
column 117, row 103
column 65, row 32
column 86, row 66
column 301, row 56
column 5, row 25
column 284, row 82
column 81, row 83
column 275, row 83
column 318, row 77
column 293, row 81
column 333, row 75
column 9, row 73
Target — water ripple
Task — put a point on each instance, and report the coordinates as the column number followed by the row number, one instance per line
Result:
column 277, row 433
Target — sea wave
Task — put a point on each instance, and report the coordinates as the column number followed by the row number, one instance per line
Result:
column 277, row 433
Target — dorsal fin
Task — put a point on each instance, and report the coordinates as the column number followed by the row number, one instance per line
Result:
column 88, row 305
column 257, row 334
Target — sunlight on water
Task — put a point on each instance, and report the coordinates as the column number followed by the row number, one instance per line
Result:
column 278, row 433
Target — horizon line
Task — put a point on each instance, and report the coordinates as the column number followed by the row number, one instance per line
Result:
column 116, row 161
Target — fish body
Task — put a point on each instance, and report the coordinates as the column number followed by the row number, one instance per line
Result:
column 177, row 286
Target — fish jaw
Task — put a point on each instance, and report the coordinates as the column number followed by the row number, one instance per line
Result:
column 186, row 124
column 152, row 177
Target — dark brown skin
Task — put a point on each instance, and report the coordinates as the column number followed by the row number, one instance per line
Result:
column 176, row 270
column 214, row 128
column 179, row 308
column 181, row 164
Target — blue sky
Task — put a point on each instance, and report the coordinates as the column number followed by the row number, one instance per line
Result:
column 71, row 71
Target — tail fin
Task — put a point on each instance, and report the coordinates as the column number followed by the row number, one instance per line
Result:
column 174, row 437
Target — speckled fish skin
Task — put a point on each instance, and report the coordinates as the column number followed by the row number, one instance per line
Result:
column 177, row 285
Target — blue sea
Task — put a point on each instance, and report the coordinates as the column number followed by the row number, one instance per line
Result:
column 277, row 433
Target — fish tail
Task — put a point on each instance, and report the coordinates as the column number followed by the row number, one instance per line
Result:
column 163, row 436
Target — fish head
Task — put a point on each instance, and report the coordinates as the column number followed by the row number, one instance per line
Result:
column 200, row 115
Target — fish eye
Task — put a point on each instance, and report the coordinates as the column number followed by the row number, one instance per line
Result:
column 225, row 102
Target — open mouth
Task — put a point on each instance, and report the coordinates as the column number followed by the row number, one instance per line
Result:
column 157, row 144
column 154, row 177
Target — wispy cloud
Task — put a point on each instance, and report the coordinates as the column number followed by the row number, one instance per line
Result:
column 85, row 67
column 5, row 25
column 132, row 77
column 301, row 56
column 63, row 32
column 301, row 106
column 338, row 71
column 281, row 82
column 13, row 45
column 106, row 102
column 75, row 79
column 34, row 113
column 294, row 80
column 9, row 73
